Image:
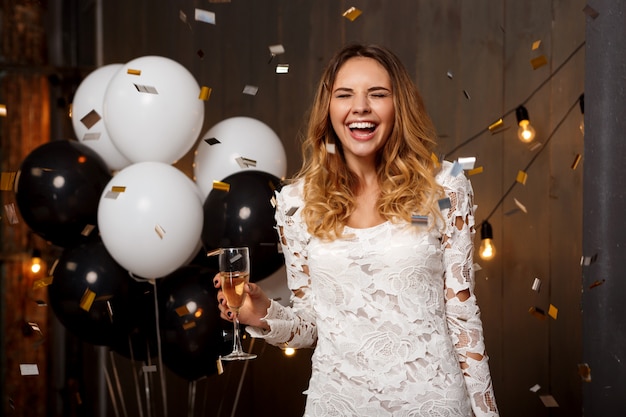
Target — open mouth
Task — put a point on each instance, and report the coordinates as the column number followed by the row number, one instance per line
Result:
column 363, row 128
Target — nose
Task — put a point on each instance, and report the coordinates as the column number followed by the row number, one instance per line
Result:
column 361, row 104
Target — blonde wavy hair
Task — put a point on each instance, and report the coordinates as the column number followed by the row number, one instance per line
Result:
column 405, row 168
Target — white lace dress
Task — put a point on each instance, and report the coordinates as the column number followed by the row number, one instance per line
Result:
column 379, row 307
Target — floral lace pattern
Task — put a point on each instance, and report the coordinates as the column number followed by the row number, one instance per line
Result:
column 390, row 311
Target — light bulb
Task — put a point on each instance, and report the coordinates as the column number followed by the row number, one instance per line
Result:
column 35, row 262
column 487, row 249
column 525, row 132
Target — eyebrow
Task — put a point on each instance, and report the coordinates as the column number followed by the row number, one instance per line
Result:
column 368, row 90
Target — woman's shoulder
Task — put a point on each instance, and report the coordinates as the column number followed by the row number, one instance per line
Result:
column 452, row 178
column 291, row 194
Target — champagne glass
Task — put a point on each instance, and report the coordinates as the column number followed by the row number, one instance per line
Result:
column 234, row 264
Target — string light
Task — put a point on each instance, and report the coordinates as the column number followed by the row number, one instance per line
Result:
column 35, row 261
column 487, row 249
column 581, row 102
column 526, row 132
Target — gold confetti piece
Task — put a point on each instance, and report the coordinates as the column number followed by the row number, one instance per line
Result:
column 584, row 371
column 3, row 110
column 220, row 366
column 496, row 125
column 330, row 148
column 235, row 258
column 189, row 325
column 539, row 62
column 282, row 68
column 548, row 401
column 214, row 252
column 43, row 282
column 576, row 161
column 466, row 94
column 245, row 162
column 29, row 369
column 536, row 45
column 205, row 93
column 537, row 312
column 292, row 211
column 91, row 136
column 118, row 189
column 536, row 285
column 88, row 229
column 597, row 283
column 7, row 180
column 535, row 388
column 449, row 74
column 222, row 186
column 521, row 177
column 435, row 160
column 159, row 231
column 352, row 13
column 90, row 119
column 250, row 90
column 205, row 16
column 591, row 12
column 131, row 71
column 533, row 146
column 277, row 50
column 477, row 170
column 11, row 213
column 273, row 202
column 182, row 310
column 212, row 141
column 149, row 368
column 520, row 205
column 553, row 311
column 87, row 299
column 148, row 89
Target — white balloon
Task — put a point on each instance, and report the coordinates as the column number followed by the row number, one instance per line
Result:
column 152, row 110
column 153, row 226
column 244, row 143
column 87, row 113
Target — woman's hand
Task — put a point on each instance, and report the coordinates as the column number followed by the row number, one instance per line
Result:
column 254, row 307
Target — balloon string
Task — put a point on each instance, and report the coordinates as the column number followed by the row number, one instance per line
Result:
column 146, row 380
column 118, row 385
column 111, row 392
column 137, row 392
column 160, row 356
column 191, row 399
column 243, row 374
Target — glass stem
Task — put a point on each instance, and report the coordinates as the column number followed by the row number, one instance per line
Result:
column 236, row 340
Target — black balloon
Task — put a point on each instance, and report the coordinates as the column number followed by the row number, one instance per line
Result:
column 244, row 216
column 96, row 300
column 192, row 333
column 58, row 190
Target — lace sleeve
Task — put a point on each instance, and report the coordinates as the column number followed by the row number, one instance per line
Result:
column 463, row 314
column 295, row 325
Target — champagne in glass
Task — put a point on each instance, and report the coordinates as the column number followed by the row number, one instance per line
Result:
column 234, row 266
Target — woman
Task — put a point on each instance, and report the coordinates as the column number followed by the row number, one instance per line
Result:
column 378, row 244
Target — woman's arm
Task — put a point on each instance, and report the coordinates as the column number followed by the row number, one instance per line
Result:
column 463, row 314
column 293, row 326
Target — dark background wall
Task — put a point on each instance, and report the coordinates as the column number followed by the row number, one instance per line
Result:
column 472, row 63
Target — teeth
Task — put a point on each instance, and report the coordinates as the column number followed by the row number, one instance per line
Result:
column 361, row 125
